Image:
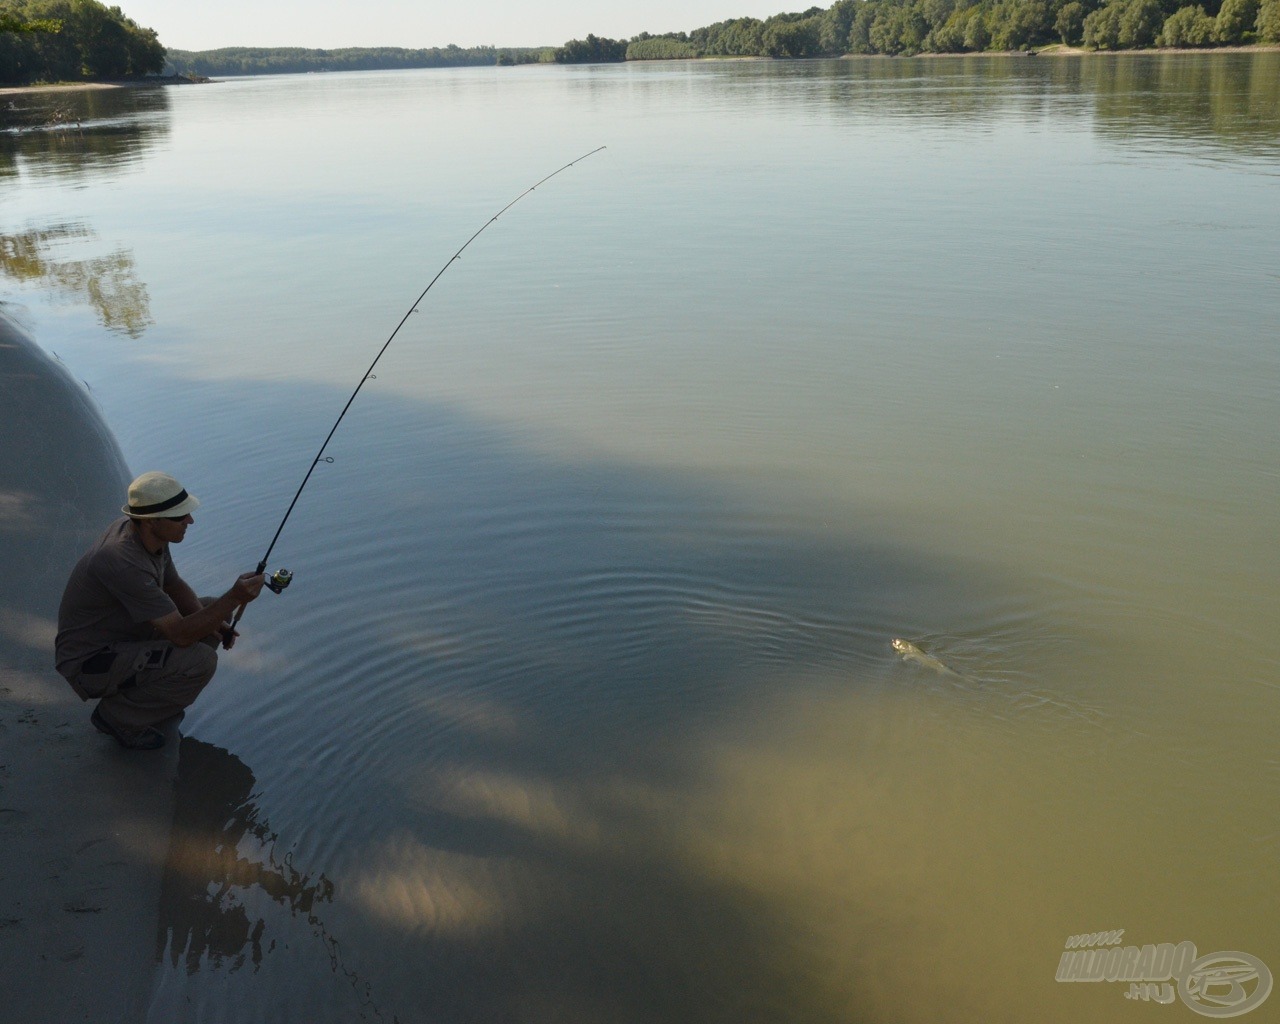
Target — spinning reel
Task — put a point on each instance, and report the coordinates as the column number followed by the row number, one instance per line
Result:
column 278, row 581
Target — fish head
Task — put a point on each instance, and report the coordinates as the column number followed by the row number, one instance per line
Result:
column 901, row 646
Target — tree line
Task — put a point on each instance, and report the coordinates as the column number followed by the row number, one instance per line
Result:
column 73, row 40
column 256, row 60
column 951, row 26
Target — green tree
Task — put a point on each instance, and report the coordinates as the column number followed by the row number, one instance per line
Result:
column 949, row 36
column 977, row 36
column 741, row 37
column 898, row 29
column 787, row 38
column 1235, row 18
column 1102, row 28
column 1069, row 24
column 886, row 30
column 860, row 31
column 744, row 38
column 93, row 42
column 660, row 48
column 834, row 26
column 1140, row 23
column 11, row 21
column 936, row 12
column 1188, row 26
column 1268, row 23
column 592, row 50
column 1020, row 24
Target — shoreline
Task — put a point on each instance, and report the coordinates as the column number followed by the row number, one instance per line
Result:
column 1062, row 50
column 140, row 83
column 1051, row 50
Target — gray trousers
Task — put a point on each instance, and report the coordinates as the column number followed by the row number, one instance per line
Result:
column 141, row 683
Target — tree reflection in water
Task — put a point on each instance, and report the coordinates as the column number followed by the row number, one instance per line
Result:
column 109, row 283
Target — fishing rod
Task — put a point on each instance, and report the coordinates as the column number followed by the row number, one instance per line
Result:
column 281, row 578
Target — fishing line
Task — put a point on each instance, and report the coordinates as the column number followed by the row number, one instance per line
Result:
column 281, row 578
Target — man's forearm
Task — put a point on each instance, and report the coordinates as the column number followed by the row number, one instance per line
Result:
column 183, row 596
column 203, row 622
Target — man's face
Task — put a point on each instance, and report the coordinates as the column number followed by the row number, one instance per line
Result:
column 171, row 531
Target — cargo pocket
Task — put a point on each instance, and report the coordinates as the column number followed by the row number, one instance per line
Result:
column 95, row 674
column 152, row 658
column 149, row 659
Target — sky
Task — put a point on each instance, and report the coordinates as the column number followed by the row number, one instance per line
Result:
column 329, row 24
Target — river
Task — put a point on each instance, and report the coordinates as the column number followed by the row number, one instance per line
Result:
column 582, row 705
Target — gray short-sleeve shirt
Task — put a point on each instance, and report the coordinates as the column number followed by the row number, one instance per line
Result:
column 114, row 593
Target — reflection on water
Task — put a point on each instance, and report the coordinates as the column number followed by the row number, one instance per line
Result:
column 79, row 133
column 109, row 283
column 219, row 847
column 224, row 874
column 1230, row 100
column 1233, row 101
column 77, row 136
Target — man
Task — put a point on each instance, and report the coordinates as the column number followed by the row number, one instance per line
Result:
column 131, row 633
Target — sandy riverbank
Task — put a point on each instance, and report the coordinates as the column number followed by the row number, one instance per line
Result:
column 84, row 825
column 28, row 90
column 1062, row 50
column 57, row 87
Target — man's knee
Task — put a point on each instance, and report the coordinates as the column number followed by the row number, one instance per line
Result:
column 197, row 662
column 186, row 671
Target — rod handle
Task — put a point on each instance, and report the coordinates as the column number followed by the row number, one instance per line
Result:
column 235, row 620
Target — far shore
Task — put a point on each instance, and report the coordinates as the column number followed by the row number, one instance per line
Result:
column 1052, row 50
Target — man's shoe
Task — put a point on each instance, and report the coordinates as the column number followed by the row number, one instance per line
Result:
column 148, row 739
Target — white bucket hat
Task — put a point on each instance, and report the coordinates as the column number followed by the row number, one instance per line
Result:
column 159, row 496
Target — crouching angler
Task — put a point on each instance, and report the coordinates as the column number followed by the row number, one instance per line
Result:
column 131, row 634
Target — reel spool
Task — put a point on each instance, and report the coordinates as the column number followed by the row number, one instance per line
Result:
column 278, row 581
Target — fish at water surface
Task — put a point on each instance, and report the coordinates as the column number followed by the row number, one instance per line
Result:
column 910, row 652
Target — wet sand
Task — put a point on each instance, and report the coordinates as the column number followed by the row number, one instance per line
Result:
column 83, row 824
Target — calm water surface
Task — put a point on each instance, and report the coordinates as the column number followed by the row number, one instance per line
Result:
column 582, row 706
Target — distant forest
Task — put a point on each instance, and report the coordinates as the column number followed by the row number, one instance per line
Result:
column 69, row 40
column 256, row 60
column 952, row 26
